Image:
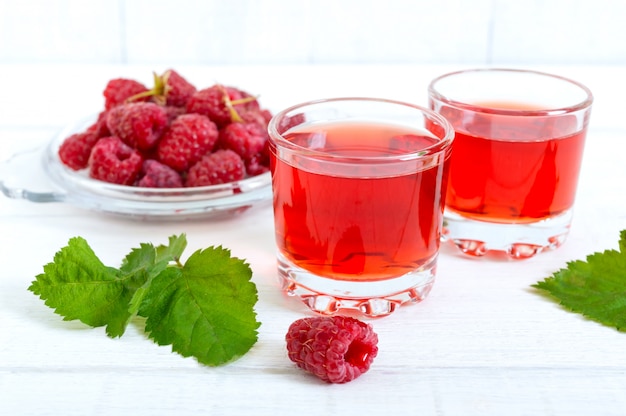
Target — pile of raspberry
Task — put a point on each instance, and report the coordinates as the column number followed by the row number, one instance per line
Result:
column 172, row 135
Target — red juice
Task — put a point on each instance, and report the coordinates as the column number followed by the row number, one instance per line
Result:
column 514, row 168
column 364, row 221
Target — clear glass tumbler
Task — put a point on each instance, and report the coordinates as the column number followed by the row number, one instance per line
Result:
column 359, row 187
column 519, row 139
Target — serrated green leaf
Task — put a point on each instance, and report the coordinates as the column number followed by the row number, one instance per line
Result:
column 204, row 309
column 174, row 250
column 595, row 288
column 78, row 278
column 142, row 264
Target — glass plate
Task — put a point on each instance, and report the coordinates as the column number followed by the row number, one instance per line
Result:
column 39, row 176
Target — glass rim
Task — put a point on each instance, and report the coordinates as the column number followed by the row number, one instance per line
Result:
column 548, row 111
column 441, row 145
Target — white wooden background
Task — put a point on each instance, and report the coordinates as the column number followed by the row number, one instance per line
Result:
column 216, row 32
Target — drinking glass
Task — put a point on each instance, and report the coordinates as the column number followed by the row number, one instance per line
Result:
column 358, row 195
column 519, row 139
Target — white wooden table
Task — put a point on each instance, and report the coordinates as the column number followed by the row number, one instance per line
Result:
column 483, row 343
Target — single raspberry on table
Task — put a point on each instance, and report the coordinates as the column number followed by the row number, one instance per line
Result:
column 118, row 90
column 75, row 150
column 221, row 166
column 186, row 140
column 139, row 125
column 157, row 175
column 246, row 139
column 222, row 104
column 113, row 161
column 336, row 349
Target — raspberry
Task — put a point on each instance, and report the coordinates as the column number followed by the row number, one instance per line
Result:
column 172, row 113
column 256, row 115
column 75, row 149
column 336, row 349
column 259, row 163
column 139, row 125
column 118, row 90
column 221, row 104
column 246, row 139
column 113, row 161
column 177, row 90
column 188, row 138
column 221, row 166
column 157, row 175
column 99, row 127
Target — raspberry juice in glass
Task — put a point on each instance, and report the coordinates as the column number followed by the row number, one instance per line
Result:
column 359, row 187
column 517, row 154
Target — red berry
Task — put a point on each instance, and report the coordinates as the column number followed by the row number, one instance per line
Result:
column 246, row 139
column 118, row 90
column 139, row 125
column 267, row 115
column 259, row 163
column 188, row 138
column 177, row 89
column 75, row 149
column 256, row 115
column 221, row 166
column 172, row 113
column 157, row 175
column 221, row 104
column 256, row 165
column 99, row 127
column 113, row 161
column 336, row 349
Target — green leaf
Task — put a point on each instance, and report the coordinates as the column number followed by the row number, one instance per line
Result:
column 595, row 288
column 174, row 250
column 143, row 264
column 78, row 286
column 204, row 309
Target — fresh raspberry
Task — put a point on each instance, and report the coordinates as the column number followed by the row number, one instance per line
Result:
column 99, row 127
column 221, row 104
column 256, row 115
column 267, row 115
column 246, row 139
column 336, row 349
column 157, row 175
column 259, row 163
column 221, row 166
column 118, row 90
column 139, row 125
column 177, row 90
column 256, row 165
column 172, row 113
column 188, row 138
column 113, row 161
column 75, row 150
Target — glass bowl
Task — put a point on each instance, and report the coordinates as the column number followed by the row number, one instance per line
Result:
column 39, row 176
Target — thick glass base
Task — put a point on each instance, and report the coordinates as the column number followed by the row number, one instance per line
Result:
column 371, row 299
column 518, row 241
